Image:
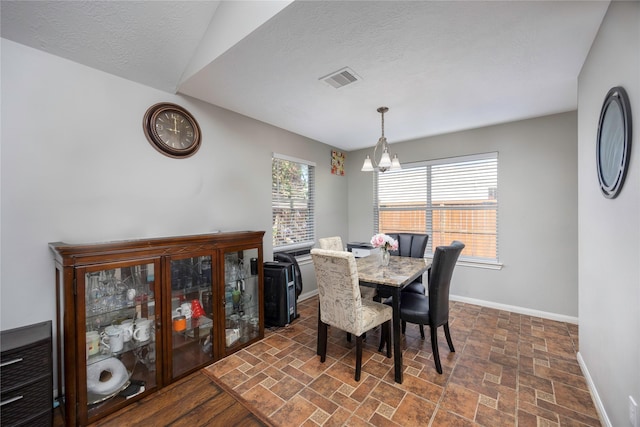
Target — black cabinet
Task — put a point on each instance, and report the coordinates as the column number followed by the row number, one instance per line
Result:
column 26, row 377
column 280, row 307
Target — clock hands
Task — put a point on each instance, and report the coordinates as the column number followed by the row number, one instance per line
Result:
column 175, row 129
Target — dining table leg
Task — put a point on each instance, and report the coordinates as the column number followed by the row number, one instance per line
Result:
column 395, row 336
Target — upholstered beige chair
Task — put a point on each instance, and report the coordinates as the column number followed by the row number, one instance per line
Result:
column 331, row 243
column 335, row 244
column 342, row 306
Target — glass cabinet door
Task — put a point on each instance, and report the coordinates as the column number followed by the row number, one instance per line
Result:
column 191, row 313
column 242, row 302
column 119, row 318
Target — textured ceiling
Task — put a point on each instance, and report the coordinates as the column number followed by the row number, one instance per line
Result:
column 147, row 42
column 440, row 66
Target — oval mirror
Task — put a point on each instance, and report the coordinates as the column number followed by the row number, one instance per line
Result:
column 614, row 142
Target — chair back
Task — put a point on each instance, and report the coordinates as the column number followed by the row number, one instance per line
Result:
column 331, row 243
column 410, row 244
column 444, row 261
column 338, row 289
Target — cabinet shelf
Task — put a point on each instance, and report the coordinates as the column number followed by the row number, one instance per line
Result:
column 102, row 285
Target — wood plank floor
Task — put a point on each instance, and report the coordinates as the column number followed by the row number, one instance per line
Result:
column 193, row 401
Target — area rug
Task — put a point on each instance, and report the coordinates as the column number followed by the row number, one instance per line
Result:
column 508, row 369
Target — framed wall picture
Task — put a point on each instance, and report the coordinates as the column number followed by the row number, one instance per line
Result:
column 337, row 162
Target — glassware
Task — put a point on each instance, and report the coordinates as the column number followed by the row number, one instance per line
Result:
column 384, row 257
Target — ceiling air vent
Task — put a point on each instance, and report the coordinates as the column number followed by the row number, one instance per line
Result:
column 341, row 78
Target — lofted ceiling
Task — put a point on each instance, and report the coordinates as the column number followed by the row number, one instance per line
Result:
column 440, row 66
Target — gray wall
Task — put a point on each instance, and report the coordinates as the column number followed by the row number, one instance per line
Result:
column 609, row 230
column 537, row 175
column 76, row 167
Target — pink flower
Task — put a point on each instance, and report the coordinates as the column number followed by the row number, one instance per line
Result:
column 383, row 241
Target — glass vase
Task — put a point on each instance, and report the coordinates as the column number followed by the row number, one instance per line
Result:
column 384, row 257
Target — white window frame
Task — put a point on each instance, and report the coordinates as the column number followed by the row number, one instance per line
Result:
column 309, row 241
column 425, row 197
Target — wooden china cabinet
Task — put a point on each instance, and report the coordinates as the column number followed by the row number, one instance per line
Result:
column 134, row 316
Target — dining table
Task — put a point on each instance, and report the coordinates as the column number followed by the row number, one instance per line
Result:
column 389, row 281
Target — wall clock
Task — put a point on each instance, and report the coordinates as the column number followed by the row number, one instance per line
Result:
column 613, row 148
column 171, row 130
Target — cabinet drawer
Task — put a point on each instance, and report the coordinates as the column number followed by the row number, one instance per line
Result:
column 25, row 364
column 25, row 402
column 42, row 420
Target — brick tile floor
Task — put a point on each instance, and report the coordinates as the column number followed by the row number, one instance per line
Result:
column 508, row 370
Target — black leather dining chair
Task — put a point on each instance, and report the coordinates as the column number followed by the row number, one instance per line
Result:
column 433, row 309
column 411, row 245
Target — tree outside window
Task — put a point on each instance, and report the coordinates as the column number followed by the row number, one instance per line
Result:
column 292, row 201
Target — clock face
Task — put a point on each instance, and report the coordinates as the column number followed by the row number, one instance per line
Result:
column 172, row 130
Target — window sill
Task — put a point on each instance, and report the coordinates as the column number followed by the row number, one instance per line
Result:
column 299, row 251
column 487, row 265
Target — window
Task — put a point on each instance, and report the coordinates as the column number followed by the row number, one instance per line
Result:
column 449, row 199
column 292, row 203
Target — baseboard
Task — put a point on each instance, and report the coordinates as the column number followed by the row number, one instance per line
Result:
column 516, row 309
column 483, row 303
column 604, row 419
column 306, row 295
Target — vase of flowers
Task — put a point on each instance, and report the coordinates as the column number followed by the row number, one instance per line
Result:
column 386, row 244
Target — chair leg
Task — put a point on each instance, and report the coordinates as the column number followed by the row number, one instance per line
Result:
column 383, row 338
column 364, row 336
column 447, row 334
column 434, row 348
column 322, row 341
column 319, row 327
column 358, row 357
column 422, row 331
column 404, row 327
column 386, row 329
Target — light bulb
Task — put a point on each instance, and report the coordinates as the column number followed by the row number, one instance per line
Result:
column 395, row 163
column 385, row 160
column 367, row 166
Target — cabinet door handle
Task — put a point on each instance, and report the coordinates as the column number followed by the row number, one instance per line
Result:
column 13, row 399
column 10, row 362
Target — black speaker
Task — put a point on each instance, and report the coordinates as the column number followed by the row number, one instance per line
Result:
column 280, row 306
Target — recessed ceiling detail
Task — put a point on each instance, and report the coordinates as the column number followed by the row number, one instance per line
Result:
column 341, row 78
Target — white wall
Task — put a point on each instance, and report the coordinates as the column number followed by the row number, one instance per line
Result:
column 77, row 167
column 537, row 173
column 609, row 230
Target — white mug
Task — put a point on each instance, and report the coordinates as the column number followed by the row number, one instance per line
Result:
column 93, row 343
column 113, row 338
column 184, row 310
column 127, row 329
column 142, row 331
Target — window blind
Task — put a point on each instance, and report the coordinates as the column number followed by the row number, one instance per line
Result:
column 449, row 199
column 292, row 202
